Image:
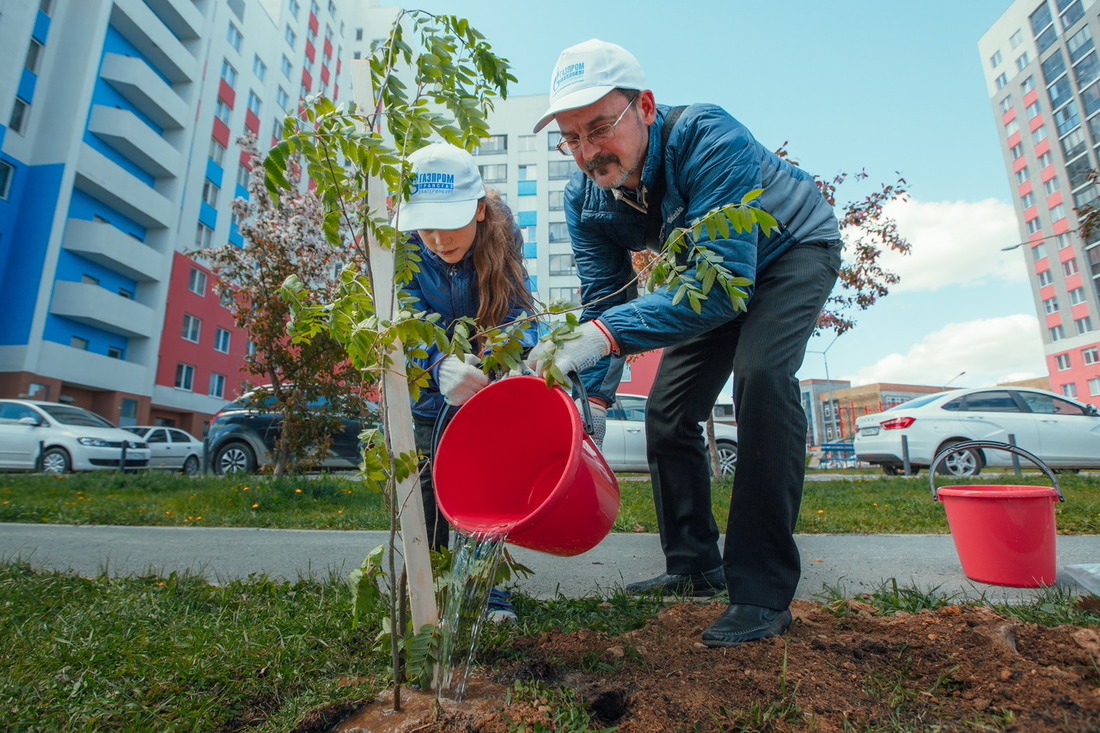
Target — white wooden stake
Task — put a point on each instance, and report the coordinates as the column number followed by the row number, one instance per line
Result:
column 395, row 388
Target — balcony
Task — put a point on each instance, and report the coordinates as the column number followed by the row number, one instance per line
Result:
column 102, row 178
column 92, row 370
column 139, row 24
column 100, row 308
column 138, row 83
column 105, row 245
column 181, row 16
column 126, row 133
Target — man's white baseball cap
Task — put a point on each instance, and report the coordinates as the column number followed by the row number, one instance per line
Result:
column 586, row 72
column 446, row 188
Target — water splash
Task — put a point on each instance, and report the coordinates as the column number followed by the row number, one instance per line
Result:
column 466, row 588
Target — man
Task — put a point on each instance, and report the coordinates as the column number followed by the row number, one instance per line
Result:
column 612, row 127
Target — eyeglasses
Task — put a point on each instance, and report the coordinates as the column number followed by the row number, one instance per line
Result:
column 568, row 146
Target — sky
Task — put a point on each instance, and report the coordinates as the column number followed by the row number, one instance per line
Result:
column 895, row 89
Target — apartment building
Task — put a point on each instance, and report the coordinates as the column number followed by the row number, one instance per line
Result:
column 1042, row 72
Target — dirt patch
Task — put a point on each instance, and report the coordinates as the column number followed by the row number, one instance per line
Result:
column 956, row 668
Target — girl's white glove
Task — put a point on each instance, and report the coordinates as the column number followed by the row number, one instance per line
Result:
column 460, row 380
column 587, row 346
column 599, row 419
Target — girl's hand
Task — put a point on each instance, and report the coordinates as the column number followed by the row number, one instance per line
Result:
column 460, row 380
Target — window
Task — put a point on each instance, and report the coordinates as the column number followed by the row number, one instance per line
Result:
column 234, row 37
column 1060, row 92
column 126, row 293
column 204, row 235
column 285, row 66
column 281, row 98
column 567, row 294
column 1091, row 355
column 1027, row 200
column 559, row 231
column 259, row 68
column 528, row 143
column 294, row 8
column 1045, row 278
column 995, row 59
column 1016, row 38
column 34, row 55
column 185, row 376
column 115, row 352
column 192, row 328
column 1002, row 80
column 229, row 74
column 1033, row 226
column 1006, row 106
column 529, row 233
column 1050, row 305
column 1084, row 325
column 290, row 36
column 1033, row 110
column 1022, row 61
column 19, row 112
column 1078, row 171
column 1027, row 85
column 7, row 172
column 1066, row 119
column 243, row 175
column 493, row 144
column 1086, row 70
column 1016, row 151
column 1023, row 175
column 495, row 173
column 1069, row 267
column 210, row 192
column 528, row 172
column 196, row 282
column 1069, row 390
column 1062, row 360
column 1051, row 186
column 78, row 343
column 217, row 385
column 217, row 152
column 359, row 34
column 1058, row 212
column 1077, row 295
column 1073, row 144
column 563, row 265
column 1094, row 386
column 1054, row 66
column 221, row 340
column 1079, row 44
column 1039, row 251
column 559, row 169
column 45, row 6
column 253, row 103
column 1071, row 13
column 1091, row 99
column 556, row 200
column 1057, row 333
column 222, row 111
column 276, row 129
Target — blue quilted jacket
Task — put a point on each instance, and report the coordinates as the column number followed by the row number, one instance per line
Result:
column 710, row 160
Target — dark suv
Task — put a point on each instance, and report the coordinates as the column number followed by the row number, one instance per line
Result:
column 241, row 437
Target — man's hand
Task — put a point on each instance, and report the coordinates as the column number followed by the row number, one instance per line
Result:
column 459, row 380
column 583, row 348
column 599, row 418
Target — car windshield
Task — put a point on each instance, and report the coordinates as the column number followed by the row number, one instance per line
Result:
column 75, row 416
column 140, row 432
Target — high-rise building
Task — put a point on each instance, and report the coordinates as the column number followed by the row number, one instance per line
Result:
column 1042, row 73
column 119, row 157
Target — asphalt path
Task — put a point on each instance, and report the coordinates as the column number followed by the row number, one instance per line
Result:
column 848, row 563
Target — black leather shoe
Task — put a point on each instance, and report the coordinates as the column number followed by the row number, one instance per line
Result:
column 742, row 622
column 689, row 584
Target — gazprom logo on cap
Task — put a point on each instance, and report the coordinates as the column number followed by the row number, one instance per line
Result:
column 434, row 182
column 567, row 75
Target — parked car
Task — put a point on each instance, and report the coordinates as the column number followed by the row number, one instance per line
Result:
column 170, row 448
column 624, row 445
column 1063, row 433
column 57, row 438
column 242, row 437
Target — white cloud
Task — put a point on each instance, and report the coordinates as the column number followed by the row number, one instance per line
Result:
column 954, row 243
column 988, row 350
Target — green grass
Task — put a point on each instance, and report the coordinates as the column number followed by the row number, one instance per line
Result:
column 865, row 503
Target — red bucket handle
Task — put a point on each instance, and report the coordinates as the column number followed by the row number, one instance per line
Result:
column 996, row 444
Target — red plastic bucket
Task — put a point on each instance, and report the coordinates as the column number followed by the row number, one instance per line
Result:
column 1004, row 534
column 515, row 464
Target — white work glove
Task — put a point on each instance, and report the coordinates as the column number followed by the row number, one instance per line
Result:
column 588, row 345
column 599, row 419
column 460, row 380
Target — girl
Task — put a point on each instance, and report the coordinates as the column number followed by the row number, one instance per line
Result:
column 471, row 265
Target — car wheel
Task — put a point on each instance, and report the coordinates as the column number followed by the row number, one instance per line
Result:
column 234, row 458
column 964, row 464
column 56, row 461
column 727, row 457
column 191, row 465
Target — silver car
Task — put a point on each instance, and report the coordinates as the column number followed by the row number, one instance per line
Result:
column 624, row 445
column 171, row 448
column 57, row 438
column 1063, row 433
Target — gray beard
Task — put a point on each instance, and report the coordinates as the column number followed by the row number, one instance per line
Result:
column 603, row 160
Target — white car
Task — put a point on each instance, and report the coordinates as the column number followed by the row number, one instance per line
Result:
column 57, row 438
column 170, row 448
column 1062, row 433
column 624, row 445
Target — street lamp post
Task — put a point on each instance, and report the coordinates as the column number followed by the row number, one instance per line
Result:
column 829, row 394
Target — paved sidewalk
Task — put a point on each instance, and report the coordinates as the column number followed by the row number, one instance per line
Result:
column 852, row 563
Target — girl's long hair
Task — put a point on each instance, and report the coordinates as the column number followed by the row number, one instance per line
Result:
column 498, row 260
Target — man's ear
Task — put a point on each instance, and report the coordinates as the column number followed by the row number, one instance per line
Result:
column 647, row 106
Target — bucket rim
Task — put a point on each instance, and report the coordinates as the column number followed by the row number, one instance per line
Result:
column 997, row 491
